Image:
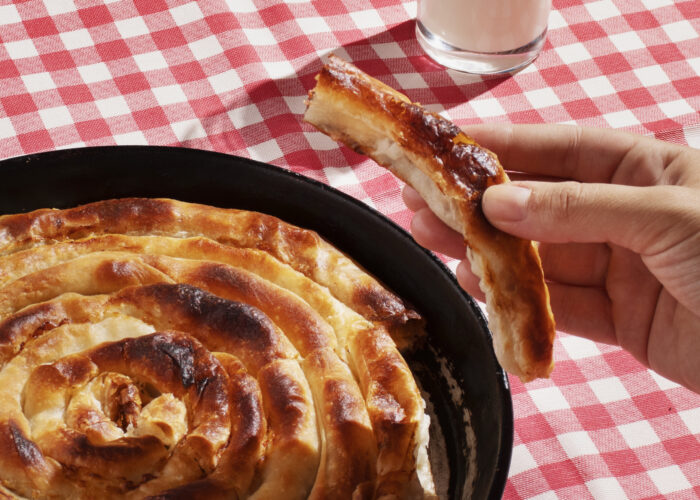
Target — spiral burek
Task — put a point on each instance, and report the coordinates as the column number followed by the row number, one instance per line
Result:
column 154, row 348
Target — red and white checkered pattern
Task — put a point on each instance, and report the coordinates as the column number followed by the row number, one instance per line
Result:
column 232, row 75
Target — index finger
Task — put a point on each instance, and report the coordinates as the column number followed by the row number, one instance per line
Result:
column 563, row 151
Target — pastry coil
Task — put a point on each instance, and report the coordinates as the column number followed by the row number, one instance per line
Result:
column 151, row 348
column 451, row 172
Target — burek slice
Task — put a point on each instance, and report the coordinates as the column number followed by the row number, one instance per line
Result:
column 451, row 172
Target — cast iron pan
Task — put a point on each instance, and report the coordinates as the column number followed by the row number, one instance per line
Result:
column 455, row 324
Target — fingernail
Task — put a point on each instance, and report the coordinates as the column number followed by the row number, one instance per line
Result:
column 506, row 203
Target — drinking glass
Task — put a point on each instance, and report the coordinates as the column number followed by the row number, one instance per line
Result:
column 482, row 36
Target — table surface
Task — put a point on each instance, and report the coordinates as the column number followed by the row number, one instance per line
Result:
column 232, row 76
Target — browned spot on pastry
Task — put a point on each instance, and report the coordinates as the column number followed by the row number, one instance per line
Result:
column 302, row 325
column 286, row 401
column 381, row 305
column 248, row 429
column 344, row 408
column 35, row 317
column 297, row 237
column 223, row 325
column 345, row 421
column 283, row 241
column 28, row 323
column 27, row 451
column 391, row 410
column 22, row 461
column 223, row 275
column 113, row 271
column 17, row 225
column 204, row 489
column 67, row 372
column 104, row 216
column 182, row 357
column 167, row 359
column 112, row 459
column 389, row 407
column 470, row 167
column 114, row 213
column 235, row 318
column 245, row 400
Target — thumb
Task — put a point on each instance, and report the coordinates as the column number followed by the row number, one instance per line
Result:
column 641, row 219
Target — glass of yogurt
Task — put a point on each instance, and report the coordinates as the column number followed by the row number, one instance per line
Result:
column 482, row 36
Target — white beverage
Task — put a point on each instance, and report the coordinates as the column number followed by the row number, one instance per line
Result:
column 483, row 26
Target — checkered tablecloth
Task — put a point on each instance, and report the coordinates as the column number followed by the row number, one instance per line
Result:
column 232, row 76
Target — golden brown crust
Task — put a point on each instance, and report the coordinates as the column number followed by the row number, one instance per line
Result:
column 395, row 409
column 249, row 428
column 452, row 172
column 172, row 363
column 242, row 262
column 302, row 249
column 165, row 284
column 349, row 449
column 293, row 456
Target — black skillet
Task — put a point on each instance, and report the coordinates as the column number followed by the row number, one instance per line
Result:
column 456, row 327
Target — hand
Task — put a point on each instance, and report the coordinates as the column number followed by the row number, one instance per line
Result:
column 618, row 218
